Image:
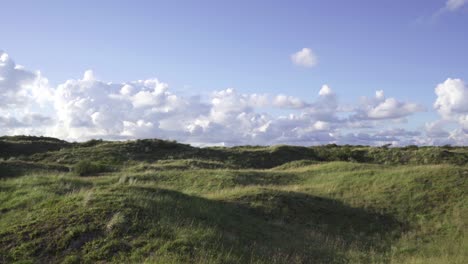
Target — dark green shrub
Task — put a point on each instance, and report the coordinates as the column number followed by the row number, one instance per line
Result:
column 410, row 147
column 92, row 143
column 6, row 171
column 358, row 155
column 87, row 168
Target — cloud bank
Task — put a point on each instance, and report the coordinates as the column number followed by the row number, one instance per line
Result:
column 85, row 108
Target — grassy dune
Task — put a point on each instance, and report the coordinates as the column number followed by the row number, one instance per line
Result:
column 172, row 203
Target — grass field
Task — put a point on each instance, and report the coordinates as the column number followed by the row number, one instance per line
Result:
column 163, row 202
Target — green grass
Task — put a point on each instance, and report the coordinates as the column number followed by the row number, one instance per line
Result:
column 177, row 208
column 87, row 168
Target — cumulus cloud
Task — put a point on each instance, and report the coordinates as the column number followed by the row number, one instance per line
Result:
column 301, row 129
column 436, row 129
column 452, row 102
column 391, row 108
column 325, row 91
column 23, row 96
column 325, row 108
column 284, row 101
column 84, row 108
column 452, row 98
column 19, row 86
column 380, row 108
column 92, row 108
column 305, row 57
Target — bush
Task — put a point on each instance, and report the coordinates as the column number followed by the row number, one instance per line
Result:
column 86, row 168
column 92, row 142
column 6, row 171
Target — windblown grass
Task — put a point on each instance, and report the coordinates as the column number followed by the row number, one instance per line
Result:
column 200, row 210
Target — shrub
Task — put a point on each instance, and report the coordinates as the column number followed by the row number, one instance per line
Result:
column 92, row 143
column 6, row 171
column 86, row 168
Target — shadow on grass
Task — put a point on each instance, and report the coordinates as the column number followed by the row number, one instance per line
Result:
column 10, row 169
column 133, row 223
column 245, row 178
column 348, row 226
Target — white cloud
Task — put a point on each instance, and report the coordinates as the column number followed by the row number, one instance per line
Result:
column 23, row 94
column 19, row 86
column 436, row 129
column 284, row 101
column 453, row 5
column 325, row 91
column 305, row 58
column 381, row 108
column 321, row 126
column 91, row 108
column 145, row 108
column 452, row 105
column 362, row 138
column 379, row 95
column 325, row 107
column 228, row 104
column 452, row 98
column 395, row 136
column 452, row 102
column 391, row 108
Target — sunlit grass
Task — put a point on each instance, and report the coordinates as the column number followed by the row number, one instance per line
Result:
column 193, row 211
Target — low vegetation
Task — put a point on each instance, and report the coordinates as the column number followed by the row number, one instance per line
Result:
column 154, row 201
column 88, row 168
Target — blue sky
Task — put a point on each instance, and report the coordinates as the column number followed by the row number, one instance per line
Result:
column 405, row 48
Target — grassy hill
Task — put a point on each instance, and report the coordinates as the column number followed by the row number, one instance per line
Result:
column 154, row 201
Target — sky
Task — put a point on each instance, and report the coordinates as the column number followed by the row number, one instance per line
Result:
column 237, row 72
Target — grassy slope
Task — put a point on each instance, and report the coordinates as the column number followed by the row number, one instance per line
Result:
column 208, row 211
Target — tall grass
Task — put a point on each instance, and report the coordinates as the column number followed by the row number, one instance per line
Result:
column 203, row 210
